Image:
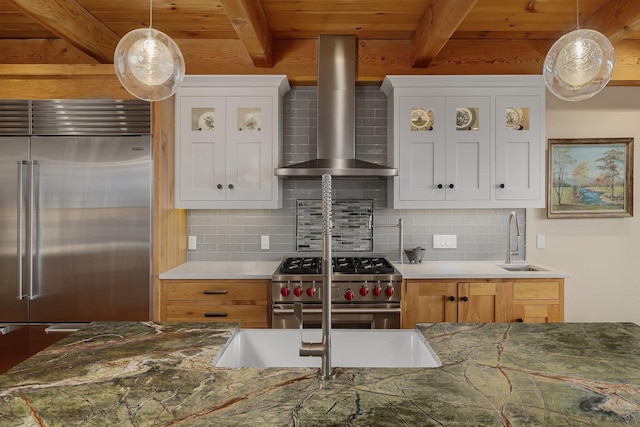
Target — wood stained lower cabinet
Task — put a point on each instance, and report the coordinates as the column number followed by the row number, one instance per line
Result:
column 537, row 301
column 238, row 301
column 482, row 300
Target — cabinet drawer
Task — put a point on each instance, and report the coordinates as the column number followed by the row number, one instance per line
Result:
column 536, row 291
column 198, row 312
column 223, row 291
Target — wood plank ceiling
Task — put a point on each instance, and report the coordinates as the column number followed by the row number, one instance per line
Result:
column 279, row 36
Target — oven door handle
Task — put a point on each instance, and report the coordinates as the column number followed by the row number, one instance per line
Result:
column 361, row 310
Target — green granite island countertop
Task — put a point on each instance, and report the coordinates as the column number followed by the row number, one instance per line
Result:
column 148, row 374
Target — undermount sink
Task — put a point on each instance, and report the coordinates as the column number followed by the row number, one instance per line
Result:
column 350, row 348
column 521, row 267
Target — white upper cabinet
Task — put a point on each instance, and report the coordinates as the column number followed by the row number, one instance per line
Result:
column 466, row 141
column 228, row 142
column 520, row 150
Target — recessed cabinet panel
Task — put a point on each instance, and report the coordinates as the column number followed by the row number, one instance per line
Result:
column 249, row 161
column 519, row 149
column 203, row 149
column 423, row 148
column 468, row 152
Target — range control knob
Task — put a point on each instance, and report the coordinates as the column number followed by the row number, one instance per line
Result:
column 377, row 291
column 297, row 291
column 389, row 291
column 364, row 291
column 349, row 295
column 284, row 291
column 311, row 291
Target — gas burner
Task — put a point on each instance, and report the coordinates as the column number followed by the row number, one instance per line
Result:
column 310, row 265
column 372, row 266
column 341, row 265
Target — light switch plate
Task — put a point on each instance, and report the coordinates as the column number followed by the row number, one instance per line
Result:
column 540, row 243
column 264, row 243
column 191, row 245
column 446, row 241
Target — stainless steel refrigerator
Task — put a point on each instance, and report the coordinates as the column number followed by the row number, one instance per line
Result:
column 75, row 211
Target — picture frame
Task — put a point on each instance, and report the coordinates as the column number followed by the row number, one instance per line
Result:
column 590, row 178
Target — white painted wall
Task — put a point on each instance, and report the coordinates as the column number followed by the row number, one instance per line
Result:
column 603, row 255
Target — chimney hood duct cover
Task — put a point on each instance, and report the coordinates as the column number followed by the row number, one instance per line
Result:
column 336, row 116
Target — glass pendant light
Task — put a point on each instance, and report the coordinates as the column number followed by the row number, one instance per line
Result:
column 149, row 63
column 579, row 64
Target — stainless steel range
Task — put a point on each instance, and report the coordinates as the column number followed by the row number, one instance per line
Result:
column 365, row 293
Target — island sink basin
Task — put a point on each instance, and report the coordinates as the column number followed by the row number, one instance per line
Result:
column 521, row 267
column 351, row 348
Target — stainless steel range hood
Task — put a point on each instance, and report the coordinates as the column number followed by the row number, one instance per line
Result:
column 336, row 116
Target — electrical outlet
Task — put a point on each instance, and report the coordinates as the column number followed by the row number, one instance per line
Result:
column 446, row 241
column 264, row 243
column 191, row 243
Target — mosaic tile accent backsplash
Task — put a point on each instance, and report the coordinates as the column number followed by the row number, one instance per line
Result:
column 234, row 235
column 351, row 225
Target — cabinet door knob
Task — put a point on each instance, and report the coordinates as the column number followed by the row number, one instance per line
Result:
column 219, row 186
column 439, row 185
column 501, row 185
column 450, row 185
column 520, row 320
column 231, row 186
column 465, row 299
column 452, row 298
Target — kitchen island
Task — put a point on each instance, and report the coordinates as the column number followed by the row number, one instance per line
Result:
column 492, row 375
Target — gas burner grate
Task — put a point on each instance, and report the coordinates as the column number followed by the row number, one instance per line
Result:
column 309, row 265
column 343, row 265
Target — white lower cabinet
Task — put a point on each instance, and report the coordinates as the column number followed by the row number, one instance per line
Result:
column 228, row 140
column 466, row 141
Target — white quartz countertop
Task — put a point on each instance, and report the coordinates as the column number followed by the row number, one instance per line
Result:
column 425, row 270
column 222, row 270
column 476, row 270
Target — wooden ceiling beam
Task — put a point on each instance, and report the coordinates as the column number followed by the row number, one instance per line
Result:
column 298, row 60
column 250, row 22
column 438, row 23
column 72, row 22
column 616, row 19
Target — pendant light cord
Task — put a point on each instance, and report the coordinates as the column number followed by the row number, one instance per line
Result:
column 577, row 14
column 150, row 14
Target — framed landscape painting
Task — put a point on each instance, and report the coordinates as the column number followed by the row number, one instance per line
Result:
column 590, row 178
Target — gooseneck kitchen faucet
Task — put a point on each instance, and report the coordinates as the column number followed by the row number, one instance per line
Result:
column 512, row 215
column 322, row 349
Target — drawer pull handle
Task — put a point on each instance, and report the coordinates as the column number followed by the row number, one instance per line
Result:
column 216, row 292
column 215, row 315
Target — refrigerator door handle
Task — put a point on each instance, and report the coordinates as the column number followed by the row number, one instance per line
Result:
column 64, row 328
column 32, row 225
column 20, row 226
column 7, row 329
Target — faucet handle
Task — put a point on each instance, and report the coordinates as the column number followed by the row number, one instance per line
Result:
column 297, row 311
